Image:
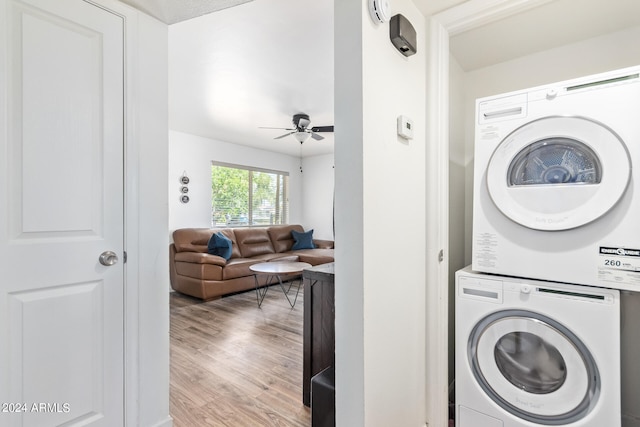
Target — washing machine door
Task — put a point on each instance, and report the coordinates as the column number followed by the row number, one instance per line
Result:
column 558, row 173
column 533, row 367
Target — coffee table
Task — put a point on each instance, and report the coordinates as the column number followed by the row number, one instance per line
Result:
column 273, row 270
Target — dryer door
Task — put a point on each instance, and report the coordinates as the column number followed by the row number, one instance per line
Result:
column 533, row 367
column 558, row 173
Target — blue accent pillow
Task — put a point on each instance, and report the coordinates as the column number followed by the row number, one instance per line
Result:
column 220, row 245
column 302, row 240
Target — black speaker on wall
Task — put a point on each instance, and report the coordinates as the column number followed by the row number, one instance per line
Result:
column 403, row 35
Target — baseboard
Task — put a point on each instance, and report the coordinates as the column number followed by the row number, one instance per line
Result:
column 168, row 422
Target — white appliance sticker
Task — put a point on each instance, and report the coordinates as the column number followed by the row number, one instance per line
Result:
column 619, row 265
column 486, row 253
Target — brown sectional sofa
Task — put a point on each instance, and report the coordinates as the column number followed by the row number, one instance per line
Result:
column 193, row 271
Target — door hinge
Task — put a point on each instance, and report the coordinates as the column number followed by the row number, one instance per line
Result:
column 441, row 255
column 124, row 256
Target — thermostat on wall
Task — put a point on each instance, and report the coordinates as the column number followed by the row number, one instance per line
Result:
column 379, row 11
column 405, row 127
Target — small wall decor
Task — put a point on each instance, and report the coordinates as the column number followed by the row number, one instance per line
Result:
column 184, row 189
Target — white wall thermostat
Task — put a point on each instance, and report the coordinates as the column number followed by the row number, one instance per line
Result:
column 380, row 11
column 405, row 127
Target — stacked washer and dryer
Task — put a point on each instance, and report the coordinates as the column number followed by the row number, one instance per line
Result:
column 556, row 236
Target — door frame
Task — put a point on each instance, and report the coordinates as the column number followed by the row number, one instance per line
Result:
column 146, row 319
column 442, row 26
column 131, row 211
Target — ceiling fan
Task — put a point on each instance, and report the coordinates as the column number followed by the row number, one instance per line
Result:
column 301, row 130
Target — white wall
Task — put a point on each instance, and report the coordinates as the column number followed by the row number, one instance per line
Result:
column 148, row 157
column 310, row 191
column 457, row 193
column 194, row 155
column 317, row 195
column 380, row 222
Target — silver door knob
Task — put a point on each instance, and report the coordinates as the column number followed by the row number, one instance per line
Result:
column 108, row 258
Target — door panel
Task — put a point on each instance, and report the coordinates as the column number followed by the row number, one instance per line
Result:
column 61, row 127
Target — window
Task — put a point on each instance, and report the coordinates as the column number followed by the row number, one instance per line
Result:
column 243, row 196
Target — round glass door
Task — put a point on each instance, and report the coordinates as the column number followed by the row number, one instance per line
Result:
column 533, row 367
column 558, row 173
column 555, row 161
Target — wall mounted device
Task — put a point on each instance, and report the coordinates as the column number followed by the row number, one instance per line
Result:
column 379, row 11
column 405, row 127
column 403, row 35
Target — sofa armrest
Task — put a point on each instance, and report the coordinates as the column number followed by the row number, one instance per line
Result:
column 200, row 258
column 323, row 244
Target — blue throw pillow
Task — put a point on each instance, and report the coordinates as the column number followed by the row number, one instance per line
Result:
column 220, row 245
column 302, row 240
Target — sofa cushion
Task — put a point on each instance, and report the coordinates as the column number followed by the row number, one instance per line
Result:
column 235, row 250
column 220, row 245
column 253, row 242
column 192, row 239
column 302, row 240
column 197, row 239
column 199, row 258
column 238, row 267
column 315, row 256
column 281, row 237
column 203, row 271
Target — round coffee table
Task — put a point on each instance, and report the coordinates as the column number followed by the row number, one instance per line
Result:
column 276, row 269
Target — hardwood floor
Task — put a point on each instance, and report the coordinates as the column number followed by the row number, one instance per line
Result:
column 234, row 364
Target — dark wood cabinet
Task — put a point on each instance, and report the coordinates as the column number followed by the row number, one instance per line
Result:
column 319, row 324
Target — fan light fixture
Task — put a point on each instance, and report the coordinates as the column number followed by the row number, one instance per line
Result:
column 301, row 136
column 301, row 130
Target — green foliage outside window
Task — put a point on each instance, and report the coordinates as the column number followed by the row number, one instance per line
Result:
column 243, row 196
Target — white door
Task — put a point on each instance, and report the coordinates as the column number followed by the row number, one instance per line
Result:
column 61, row 207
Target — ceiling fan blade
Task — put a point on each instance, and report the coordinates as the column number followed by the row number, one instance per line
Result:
column 264, row 127
column 322, row 129
column 316, row 136
column 286, row 134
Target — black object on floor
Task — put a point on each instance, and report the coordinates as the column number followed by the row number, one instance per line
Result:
column 323, row 399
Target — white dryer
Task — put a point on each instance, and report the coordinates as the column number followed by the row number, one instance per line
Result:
column 532, row 353
column 555, row 196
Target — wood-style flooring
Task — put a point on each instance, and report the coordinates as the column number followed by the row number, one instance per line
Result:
column 234, row 364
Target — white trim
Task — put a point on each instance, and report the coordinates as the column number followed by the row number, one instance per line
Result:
column 167, row 422
column 132, row 231
column 131, row 213
column 437, row 225
column 475, row 13
column 467, row 16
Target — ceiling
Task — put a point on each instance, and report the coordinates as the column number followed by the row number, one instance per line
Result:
column 251, row 66
column 172, row 11
column 553, row 24
column 258, row 63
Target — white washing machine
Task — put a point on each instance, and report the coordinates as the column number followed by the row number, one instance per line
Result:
column 555, row 196
column 532, row 353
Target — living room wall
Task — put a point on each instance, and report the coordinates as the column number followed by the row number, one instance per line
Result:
column 317, row 195
column 193, row 154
